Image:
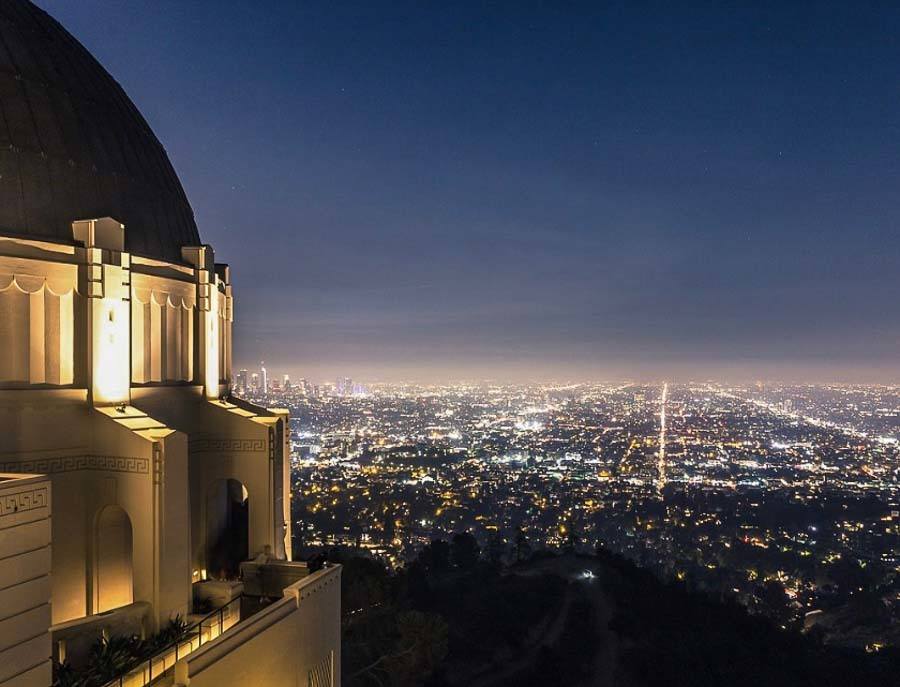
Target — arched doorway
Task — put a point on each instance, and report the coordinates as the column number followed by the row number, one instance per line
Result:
column 113, row 567
column 227, row 528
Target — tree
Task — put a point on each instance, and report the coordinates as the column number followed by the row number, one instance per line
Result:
column 417, row 645
column 388, row 525
column 523, row 548
column 573, row 535
column 464, row 551
column 364, row 584
column 496, row 550
column 435, row 557
column 422, row 645
column 851, row 576
column 775, row 601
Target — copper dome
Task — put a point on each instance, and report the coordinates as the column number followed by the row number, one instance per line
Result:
column 73, row 146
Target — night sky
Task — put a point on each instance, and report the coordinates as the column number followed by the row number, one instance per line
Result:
column 534, row 190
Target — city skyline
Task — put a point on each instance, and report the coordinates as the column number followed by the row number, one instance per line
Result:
column 489, row 375
column 597, row 192
column 486, row 374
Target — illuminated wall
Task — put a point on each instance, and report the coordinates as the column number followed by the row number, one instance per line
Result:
column 113, row 577
column 131, row 355
column 36, row 327
column 110, row 347
column 294, row 641
column 210, row 320
column 107, row 288
column 214, row 310
column 162, row 330
column 24, row 580
column 99, row 318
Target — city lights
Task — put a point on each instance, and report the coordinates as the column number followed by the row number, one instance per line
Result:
column 691, row 480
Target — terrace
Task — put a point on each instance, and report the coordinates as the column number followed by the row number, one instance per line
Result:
column 266, row 600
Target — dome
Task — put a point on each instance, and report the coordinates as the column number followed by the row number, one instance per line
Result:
column 73, row 146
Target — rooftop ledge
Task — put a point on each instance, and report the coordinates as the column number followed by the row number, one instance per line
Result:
column 222, row 632
column 20, row 478
column 254, row 626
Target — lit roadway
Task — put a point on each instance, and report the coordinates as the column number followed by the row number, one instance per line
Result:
column 776, row 410
column 661, row 463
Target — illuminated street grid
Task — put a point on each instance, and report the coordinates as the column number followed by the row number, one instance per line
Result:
column 783, row 497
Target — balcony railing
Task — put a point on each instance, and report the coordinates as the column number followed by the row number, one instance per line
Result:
column 163, row 662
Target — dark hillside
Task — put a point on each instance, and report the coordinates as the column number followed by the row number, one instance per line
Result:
column 451, row 619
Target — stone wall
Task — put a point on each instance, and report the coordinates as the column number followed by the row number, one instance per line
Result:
column 24, row 581
column 295, row 641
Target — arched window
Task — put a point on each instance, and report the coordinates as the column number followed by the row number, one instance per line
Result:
column 227, row 528
column 113, row 573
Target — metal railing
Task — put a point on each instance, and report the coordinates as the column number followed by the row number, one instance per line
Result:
column 163, row 661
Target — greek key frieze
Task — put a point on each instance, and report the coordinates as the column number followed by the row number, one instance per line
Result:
column 22, row 501
column 49, row 466
column 227, row 445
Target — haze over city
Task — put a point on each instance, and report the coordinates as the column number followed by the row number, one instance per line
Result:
column 596, row 191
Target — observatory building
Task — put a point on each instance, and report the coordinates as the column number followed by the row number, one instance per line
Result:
column 133, row 490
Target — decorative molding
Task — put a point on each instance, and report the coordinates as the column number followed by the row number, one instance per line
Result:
column 312, row 589
column 322, row 674
column 158, row 464
column 227, row 445
column 29, row 283
column 162, row 342
column 38, row 345
column 23, row 501
column 315, row 582
column 49, row 466
column 161, row 298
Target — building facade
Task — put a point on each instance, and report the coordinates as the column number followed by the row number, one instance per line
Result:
column 133, row 489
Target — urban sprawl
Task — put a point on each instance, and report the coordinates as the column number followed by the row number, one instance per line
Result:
column 784, row 498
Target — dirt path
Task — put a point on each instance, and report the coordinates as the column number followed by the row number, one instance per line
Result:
column 584, row 576
column 549, row 637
